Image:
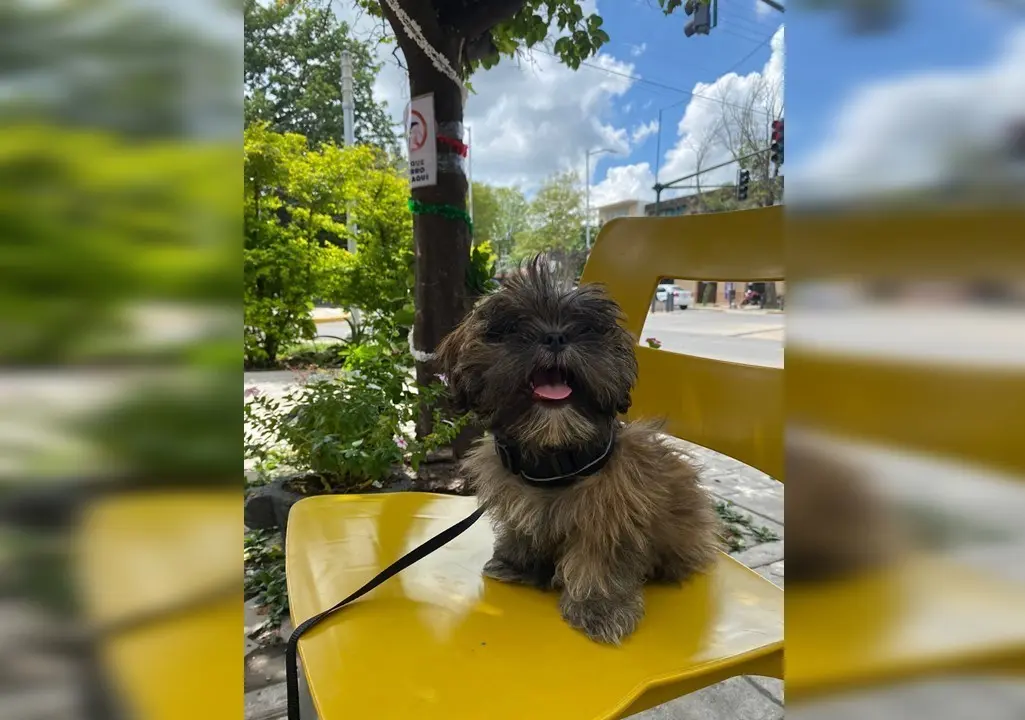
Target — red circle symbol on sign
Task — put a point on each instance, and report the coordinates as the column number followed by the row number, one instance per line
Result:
column 417, row 131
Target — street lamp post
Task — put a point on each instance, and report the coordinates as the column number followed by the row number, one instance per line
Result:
column 587, row 193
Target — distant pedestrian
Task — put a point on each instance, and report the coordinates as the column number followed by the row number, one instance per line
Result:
column 731, row 295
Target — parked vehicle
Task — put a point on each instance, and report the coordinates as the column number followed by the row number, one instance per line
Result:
column 682, row 299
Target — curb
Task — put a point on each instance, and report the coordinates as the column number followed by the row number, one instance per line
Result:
column 331, row 318
column 733, row 311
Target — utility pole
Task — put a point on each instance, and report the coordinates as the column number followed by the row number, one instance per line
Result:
column 348, row 116
column 587, row 202
column 349, row 133
column 587, row 193
column 469, row 169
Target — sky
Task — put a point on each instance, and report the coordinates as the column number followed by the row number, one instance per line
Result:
column 861, row 112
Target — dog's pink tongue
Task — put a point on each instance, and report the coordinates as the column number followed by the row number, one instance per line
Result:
column 548, row 385
column 557, row 391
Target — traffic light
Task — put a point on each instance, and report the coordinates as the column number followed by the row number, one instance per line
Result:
column 701, row 23
column 743, row 178
column 776, row 148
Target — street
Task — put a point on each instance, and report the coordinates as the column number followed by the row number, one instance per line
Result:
column 749, row 337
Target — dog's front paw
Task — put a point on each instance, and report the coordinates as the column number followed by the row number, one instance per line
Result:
column 604, row 619
column 498, row 569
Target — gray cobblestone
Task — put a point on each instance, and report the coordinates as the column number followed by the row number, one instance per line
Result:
column 773, row 572
column 733, row 699
column 759, row 555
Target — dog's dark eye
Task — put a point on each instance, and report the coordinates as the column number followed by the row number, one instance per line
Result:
column 498, row 331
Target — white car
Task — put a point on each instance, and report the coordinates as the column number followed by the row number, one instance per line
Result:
column 681, row 298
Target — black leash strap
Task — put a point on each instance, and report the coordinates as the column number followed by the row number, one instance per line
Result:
column 415, row 555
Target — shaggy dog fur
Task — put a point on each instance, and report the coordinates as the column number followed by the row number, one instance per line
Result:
column 641, row 517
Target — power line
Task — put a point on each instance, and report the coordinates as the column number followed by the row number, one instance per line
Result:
column 755, row 28
column 732, row 12
column 645, row 81
column 747, row 57
column 738, row 36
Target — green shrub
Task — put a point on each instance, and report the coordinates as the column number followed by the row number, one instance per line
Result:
column 349, row 432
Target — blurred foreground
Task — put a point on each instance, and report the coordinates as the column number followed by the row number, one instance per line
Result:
column 906, row 378
column 120, row 573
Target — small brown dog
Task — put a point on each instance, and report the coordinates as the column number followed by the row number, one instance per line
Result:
column 580, row 501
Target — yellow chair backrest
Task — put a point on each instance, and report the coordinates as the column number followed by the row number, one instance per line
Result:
column 731, row 408
column 968, row 413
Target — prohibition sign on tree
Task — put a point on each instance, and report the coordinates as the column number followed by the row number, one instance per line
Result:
column 417, row 131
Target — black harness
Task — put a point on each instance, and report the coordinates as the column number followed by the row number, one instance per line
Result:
column 557, row 469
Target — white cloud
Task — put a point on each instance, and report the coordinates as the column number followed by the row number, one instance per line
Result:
column 532, row 120
column 921, row 130
column 624, row 182
column 638, row 50
column 644, row 131
column 695, row 134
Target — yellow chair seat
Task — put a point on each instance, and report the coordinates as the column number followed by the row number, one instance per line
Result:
column 440, row 641
column 922, row 617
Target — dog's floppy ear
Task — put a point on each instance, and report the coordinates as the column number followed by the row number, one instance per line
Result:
column 629, row 377
column 624, row 403
column 447, row 363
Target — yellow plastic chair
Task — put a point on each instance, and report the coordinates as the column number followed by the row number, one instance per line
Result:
column 439, row 642
column 926, row 616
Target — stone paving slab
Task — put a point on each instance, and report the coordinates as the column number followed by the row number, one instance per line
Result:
column 734, row 699
column 760, row 555
column 768, row 505
column 773, row 572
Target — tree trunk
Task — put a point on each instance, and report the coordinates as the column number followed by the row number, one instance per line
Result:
column 441, row 246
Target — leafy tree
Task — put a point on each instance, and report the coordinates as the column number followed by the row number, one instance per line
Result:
column 743, row 128
column 485, row 213
column 293, row 54
column 556, row 220
column 500, row 215
column 511, row 221
column 295, row 203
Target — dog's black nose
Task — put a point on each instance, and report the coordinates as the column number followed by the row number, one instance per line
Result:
column 555, row 341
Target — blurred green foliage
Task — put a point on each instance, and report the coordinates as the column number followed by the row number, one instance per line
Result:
column 297, row 202
column 93, row 226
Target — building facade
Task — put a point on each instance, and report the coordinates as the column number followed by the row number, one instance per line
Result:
column 623, row 208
